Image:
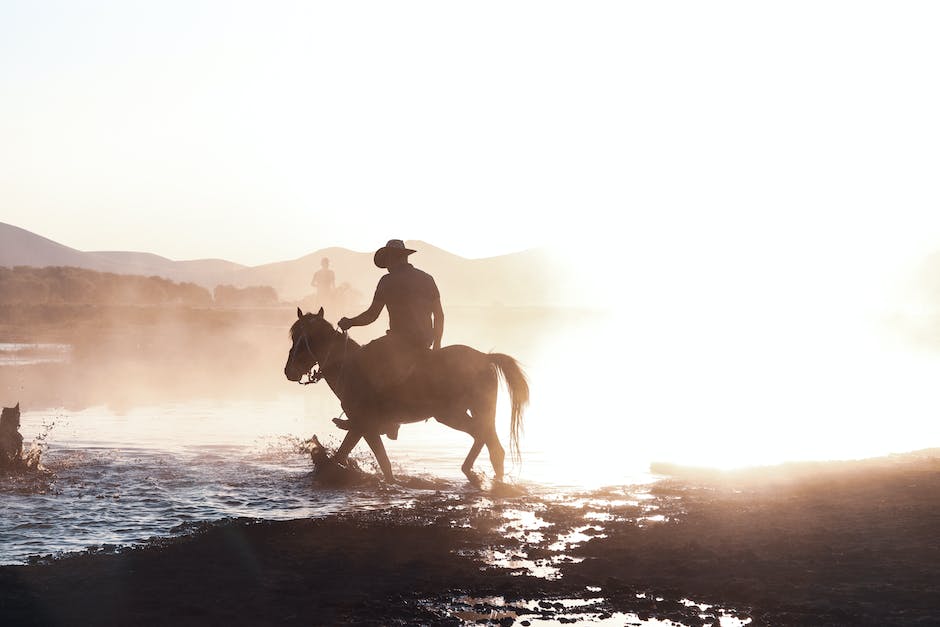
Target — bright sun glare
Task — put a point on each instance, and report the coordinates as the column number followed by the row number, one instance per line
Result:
column 752, row 355
column 738, row 185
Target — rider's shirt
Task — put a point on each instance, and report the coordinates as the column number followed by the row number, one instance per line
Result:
column 409, row 294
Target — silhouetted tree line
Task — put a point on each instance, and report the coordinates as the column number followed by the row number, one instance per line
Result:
column 25, row 285
column 55, row 285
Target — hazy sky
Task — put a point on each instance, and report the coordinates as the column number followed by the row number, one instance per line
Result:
column 743, row 181
column 725, row 133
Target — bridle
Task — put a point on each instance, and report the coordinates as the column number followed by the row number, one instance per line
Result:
column 315, row 373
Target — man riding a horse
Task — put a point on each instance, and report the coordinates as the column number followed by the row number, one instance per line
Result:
column 415, row 320
column 407, row 376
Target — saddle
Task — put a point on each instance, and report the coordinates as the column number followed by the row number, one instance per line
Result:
column 389, row 361
column 385, row 366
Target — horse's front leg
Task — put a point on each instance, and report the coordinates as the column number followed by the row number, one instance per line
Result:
column 349, row 443
column 374, row 440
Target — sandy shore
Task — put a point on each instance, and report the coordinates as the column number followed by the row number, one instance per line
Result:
column 821, row 544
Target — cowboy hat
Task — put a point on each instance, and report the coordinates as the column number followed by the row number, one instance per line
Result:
column 393, row 248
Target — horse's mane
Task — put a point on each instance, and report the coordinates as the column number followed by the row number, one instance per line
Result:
column 297, row 328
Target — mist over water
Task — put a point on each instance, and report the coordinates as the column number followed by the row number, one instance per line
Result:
column 122, row 478
column 165, row 424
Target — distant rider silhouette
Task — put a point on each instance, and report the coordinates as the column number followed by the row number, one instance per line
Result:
column 324, row 280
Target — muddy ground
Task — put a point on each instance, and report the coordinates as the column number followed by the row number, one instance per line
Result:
column 816, row 544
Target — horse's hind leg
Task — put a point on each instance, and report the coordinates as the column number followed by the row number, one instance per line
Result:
column 497, row 454
column 488, row 437
column 461, row 421
column 484, row 414
column 467, row 466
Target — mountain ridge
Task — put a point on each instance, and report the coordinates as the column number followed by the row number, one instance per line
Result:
column 513, row 279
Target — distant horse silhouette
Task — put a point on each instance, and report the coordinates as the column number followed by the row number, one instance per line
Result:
column 456, row 385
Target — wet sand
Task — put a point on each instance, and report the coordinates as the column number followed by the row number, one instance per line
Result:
column 818, row 544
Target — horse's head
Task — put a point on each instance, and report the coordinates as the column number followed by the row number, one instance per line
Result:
column 310, row 336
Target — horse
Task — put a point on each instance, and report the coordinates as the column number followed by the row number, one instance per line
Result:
column 456, row 385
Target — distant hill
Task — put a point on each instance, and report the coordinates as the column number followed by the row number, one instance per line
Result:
column 19, row 247
column 205, row 272
column 527, row 278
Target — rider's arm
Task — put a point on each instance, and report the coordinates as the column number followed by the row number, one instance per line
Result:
column 366, row 317
column 438, row 313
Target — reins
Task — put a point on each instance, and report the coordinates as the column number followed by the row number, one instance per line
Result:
column 316, row 375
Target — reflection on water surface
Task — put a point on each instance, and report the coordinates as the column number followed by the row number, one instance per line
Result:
column 119, row 478
column 25, row 354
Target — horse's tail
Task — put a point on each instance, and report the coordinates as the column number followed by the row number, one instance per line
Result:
column 518, row 386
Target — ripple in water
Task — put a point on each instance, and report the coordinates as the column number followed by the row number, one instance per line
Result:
column 92, row 496
column 121, row 479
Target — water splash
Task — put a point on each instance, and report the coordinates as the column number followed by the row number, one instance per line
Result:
column 39, row 445
column 327, row 471
column 29, row 460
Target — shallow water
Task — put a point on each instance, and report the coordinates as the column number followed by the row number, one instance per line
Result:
column 601, row 412
column 121, row 478
column 470, row 610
